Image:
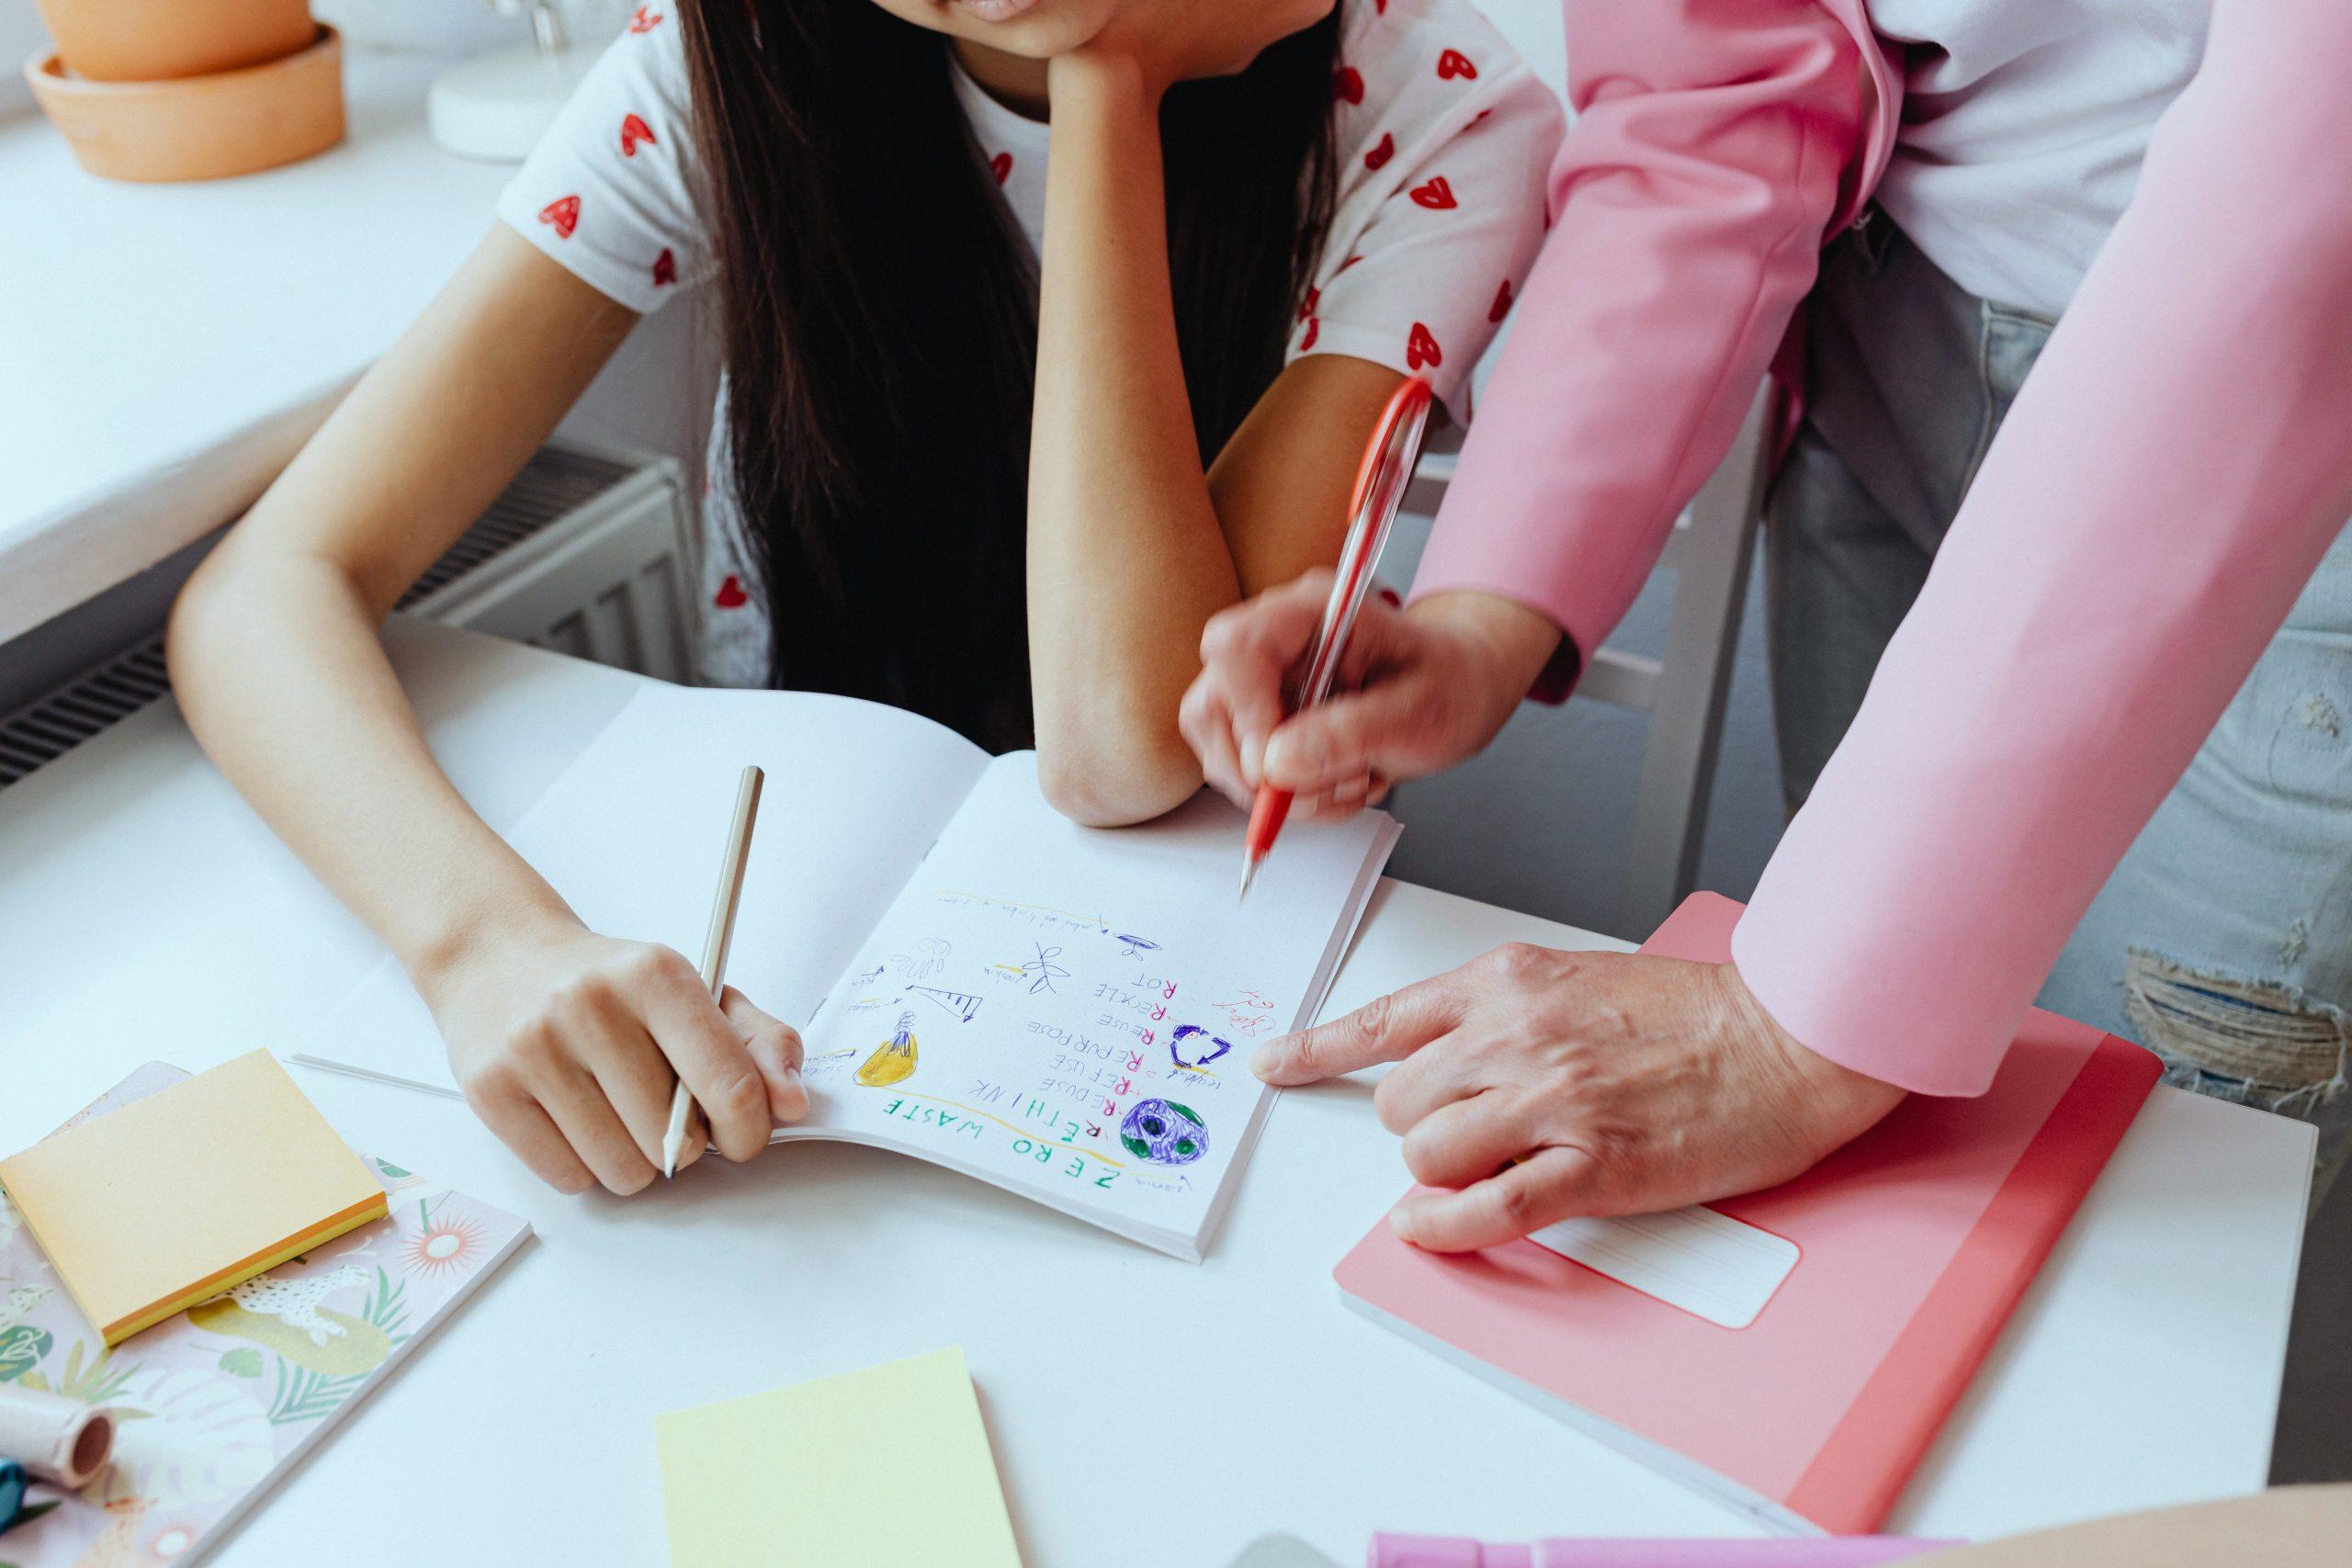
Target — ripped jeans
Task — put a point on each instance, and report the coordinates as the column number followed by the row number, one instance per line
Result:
column 2223, row 941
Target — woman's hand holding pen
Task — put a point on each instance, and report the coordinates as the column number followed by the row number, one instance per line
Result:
column 1530, row 1084
column 568, row 1045
column 1418, row 690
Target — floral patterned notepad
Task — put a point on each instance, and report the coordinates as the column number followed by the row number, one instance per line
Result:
column 215, row 1403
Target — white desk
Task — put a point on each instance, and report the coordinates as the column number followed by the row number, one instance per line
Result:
column 145, row 913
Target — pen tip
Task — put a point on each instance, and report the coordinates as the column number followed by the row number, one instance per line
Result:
column 1248, row 875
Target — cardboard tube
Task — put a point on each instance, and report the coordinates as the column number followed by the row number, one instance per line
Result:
column 59, row 1440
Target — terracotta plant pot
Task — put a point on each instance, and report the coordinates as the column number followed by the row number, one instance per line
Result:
column 156, row 40
column 198, row 127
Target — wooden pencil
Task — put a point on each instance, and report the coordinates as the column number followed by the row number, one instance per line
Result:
column 716, row 941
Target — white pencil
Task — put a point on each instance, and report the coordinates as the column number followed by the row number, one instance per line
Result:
column 715, row 943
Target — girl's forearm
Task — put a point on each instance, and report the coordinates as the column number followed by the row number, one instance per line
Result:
column 276, row 665
column 1126, row 561
column 273, row 646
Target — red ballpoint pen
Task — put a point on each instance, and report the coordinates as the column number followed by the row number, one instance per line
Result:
column 1379, row 491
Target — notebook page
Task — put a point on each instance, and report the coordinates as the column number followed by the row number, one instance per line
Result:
column 1069, row 1011
column 632, row 834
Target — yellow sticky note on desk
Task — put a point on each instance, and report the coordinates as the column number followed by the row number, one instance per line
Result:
column 887, row 1465
column 177, row 1197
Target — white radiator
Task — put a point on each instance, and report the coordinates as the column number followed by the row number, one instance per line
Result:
column 588, row 552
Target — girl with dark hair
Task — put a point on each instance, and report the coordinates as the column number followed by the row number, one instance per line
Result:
column 999, row 432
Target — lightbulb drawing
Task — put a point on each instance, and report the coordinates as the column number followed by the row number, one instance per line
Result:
column 894, row 1060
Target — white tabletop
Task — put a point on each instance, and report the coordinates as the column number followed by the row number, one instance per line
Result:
column 1144, row 1411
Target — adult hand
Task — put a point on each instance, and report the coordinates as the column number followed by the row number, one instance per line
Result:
column 567, row 1045
column 1419, row 690
column 1171, row 42
column 1535, row 1085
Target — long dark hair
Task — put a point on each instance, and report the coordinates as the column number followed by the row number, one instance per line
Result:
column 881, row 333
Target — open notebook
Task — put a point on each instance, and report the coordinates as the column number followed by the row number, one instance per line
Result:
column 1058, row 1010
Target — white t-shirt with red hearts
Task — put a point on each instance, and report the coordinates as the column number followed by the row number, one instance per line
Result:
column 1445, row 136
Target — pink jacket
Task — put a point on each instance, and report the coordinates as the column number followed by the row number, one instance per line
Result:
column 2174, row 469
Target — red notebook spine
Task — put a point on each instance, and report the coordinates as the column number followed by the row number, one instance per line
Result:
column 1852, row 1483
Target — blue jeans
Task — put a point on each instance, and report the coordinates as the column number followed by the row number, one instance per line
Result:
column 2223, row 941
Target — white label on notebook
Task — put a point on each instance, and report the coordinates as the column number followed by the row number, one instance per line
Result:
column 1708, row 1264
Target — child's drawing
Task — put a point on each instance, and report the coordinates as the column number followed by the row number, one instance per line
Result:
column 1164, row 1132
column 929, row 957
column 894, row 1060
column 1249, row 1013
column 1034, row 914
column 1194, row 1048
column 1134, row 944
column 963, row 1004
column 1043, row 971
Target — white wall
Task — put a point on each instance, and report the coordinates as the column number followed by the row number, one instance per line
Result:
column 21, row 33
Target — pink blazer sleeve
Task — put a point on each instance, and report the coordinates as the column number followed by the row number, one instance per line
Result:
column 2175, row 465
column 1691, row 198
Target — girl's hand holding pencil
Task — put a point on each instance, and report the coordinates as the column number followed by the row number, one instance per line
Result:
column 568, row 1043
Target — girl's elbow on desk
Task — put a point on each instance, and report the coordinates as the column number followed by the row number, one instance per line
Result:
column 1102, row 778
column 236, row 593
column 215, row 602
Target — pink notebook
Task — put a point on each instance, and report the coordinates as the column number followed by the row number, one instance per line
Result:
column 1794, row 1351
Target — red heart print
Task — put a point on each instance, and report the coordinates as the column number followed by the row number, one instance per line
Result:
column 562, row 214
column 1502, row 305
column 1453, row 63
column 1001, row 167
column 1309, row 306
column 633, row 131
column 1347, row 84
column 644, row 20
column 665, row 269
column 1382, row 153
column 1438, row 195
column 1314, row 330
column 731, row 595
column 1421, row 349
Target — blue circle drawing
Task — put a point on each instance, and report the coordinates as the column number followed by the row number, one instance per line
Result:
column 1164, row 1132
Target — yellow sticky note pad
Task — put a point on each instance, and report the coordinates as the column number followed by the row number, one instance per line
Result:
column 890, row 1465
column 172, row 1199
